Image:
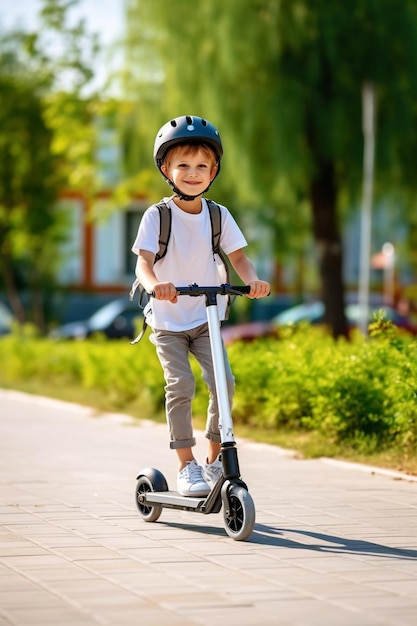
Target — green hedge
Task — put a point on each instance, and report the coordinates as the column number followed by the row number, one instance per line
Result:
column 117, row 372
column 362, row 393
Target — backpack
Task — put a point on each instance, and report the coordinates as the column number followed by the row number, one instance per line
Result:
column 165, row 218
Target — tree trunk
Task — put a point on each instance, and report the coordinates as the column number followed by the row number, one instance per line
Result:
column 37, row 302
column 12, row 292
column 329, row 247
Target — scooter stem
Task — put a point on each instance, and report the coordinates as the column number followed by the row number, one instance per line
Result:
column 225, row 418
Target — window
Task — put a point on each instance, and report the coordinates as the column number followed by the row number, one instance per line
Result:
column 131, row 229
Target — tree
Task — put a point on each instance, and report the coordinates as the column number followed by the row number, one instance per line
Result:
column 283, row 81
column 46, row 143
column 26, row 216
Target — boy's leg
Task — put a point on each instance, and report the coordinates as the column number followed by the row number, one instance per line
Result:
column 173, row 352
column 201, row 349
column 185, row 455
column 213, row 451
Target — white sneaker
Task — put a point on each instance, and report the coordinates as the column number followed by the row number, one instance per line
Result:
column 190, row 481
column 213, row 471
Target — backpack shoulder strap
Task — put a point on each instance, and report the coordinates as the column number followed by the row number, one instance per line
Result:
column 216, row 224
column 216, row 231
column 165, row 221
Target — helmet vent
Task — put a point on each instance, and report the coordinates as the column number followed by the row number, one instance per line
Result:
column 173, row 123
column 203, row 122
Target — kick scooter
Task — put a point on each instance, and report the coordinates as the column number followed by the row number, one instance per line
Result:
column 152, row 493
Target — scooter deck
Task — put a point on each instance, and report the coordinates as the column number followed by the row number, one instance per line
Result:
column 175, row 500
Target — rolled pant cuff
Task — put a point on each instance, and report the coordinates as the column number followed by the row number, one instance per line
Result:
column 183, row 443
column 213, row 437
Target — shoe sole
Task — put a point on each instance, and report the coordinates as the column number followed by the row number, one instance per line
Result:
column 195, row 494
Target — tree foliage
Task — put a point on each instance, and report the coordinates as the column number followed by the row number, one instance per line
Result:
column 283, row 80
column 46, row 145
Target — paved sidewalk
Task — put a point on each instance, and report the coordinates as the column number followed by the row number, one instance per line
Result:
column 332, row 545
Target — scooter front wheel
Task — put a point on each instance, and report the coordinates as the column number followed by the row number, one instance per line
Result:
column 149, row 480
column 239, row 514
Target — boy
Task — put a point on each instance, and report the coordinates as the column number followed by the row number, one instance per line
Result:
column 187, row 152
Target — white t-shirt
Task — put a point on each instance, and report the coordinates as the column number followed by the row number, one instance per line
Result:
column 189, row 259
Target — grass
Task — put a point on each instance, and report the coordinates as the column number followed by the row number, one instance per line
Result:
column 310, row 445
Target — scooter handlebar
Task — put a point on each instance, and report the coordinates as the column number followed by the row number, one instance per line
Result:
column 223, row 290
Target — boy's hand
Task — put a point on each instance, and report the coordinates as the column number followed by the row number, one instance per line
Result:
column 259, row 288
column 165, row 291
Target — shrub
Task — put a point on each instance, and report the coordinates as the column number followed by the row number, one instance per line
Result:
column 360, row 394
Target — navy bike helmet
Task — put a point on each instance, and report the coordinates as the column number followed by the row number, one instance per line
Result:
column 186, row 129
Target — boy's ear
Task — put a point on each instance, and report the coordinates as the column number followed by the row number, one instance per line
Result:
column 214, row 171
column 164, row 170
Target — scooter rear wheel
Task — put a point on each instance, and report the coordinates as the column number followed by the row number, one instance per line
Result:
column 154, row 481
column 239, row 515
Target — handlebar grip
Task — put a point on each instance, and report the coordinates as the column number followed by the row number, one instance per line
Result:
column 241, row 288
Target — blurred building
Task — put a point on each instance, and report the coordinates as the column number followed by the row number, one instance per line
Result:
column 97, row 254
column 97, row 263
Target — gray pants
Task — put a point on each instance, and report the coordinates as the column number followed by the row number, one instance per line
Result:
column 173, row 350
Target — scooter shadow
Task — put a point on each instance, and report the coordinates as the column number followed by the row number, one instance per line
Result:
column 317, row 542
column 324, row 543
column 196, row 528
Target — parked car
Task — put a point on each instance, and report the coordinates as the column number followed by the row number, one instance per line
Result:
column 116, row 319
column 6, row 320
column 248, row 331
column 313, row 313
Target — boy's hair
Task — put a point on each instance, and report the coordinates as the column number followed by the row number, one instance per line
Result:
column 190, row 148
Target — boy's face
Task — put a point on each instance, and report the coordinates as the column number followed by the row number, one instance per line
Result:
column 190, row 168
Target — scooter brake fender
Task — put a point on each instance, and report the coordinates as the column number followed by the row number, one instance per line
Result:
column 226, row 486
column 156, row 478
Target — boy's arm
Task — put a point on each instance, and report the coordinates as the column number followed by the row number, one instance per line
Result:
column 245, row 269
column 144, row 271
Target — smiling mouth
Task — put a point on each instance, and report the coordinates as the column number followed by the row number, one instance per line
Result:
column 185, row 187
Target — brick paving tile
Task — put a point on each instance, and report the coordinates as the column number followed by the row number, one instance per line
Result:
column 334, row 544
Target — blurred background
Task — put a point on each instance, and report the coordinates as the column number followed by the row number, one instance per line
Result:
column 85, row 85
